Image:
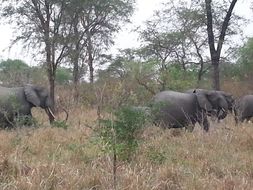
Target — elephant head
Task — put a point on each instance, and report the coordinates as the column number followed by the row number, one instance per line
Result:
column 229, row 98
column 39, row 97
column 213, row 102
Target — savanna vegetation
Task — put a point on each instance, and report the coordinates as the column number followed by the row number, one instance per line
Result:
column 104, row 144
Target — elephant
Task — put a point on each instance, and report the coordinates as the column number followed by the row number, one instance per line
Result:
column 243, row 108
column 221, row 102
column 17, row 102
column 177, row 110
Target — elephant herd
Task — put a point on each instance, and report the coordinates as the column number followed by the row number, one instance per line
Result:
column 173, row 109
column 169, row 109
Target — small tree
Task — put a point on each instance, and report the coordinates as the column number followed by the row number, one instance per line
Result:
column 120, row 133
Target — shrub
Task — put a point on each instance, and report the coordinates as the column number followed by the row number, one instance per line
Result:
column 60, row 124
column 120, row 134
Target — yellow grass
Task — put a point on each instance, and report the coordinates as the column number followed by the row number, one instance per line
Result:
column 54, row 158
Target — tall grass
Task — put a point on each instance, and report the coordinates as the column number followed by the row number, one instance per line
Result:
column 54, row 158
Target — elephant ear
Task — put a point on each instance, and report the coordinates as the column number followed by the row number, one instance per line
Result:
column 204, row 102
column 31, row 95
column 223, row 103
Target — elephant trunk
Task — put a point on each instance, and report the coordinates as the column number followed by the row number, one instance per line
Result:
column 222, row 113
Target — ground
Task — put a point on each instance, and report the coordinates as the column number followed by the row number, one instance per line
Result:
column 55, row 158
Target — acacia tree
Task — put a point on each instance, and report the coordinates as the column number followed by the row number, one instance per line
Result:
column 95, row 23
column 188, row 21
column 92, row 25
column 215, row 52
column 39, row 25
column 176, row 35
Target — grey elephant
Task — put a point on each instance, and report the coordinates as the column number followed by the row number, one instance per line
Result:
column 243, row 108
column 18, row 102
column 222, row 102
column 177, row 110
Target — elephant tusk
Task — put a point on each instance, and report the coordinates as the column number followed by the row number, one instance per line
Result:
column 50, row 111
column 223, row 110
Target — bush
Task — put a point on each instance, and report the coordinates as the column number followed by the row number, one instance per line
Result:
column 60, row 124
column 120, row 134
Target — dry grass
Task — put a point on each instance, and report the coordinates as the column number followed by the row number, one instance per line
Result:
column 54, row 158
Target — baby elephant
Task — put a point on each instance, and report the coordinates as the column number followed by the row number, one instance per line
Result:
column 243, row 108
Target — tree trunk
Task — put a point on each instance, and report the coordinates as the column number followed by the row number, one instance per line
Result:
column 52, row 89
column 76, row 74
column 50, row 72
column 76, row 54
column 200, row 72
column 50, row 79
column 215, row 53
column 216, row 75
column 76, row 81
column 91, row 69
column 90, row 58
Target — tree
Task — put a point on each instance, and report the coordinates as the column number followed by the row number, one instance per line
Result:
column 177, row 34
column 245, row 60
column 39, row 25
column 94, row 23
column 14, row 72
column 215, row 52
column 63, row 75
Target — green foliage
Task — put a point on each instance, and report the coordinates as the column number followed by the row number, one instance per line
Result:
column 232, row 71
column 63, row 75
column 156, row 156
column 179, row 79
column 14, row 72
column 120, row 134
column 246, row 58
column 60, row 124
column 24, row 120
column 13, row 65
column 243, row 67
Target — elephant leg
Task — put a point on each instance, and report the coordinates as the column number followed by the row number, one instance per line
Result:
column 236, row 117
column 248, row 118
column 203, row 121
column 6, row 120
column 236, row 120
column 205, row 124
column 189, row 127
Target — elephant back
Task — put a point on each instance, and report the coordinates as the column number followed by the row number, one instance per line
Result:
column 175, row 108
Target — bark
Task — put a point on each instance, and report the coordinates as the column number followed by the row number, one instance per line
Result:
column 76, row 73
column 76, row 82
column 76, row 54
column 50, row 75
column 216, row 74
column 90, row 58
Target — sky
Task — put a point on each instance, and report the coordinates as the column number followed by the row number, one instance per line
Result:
column 126, row 38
